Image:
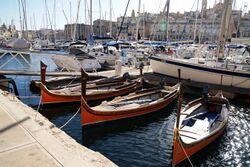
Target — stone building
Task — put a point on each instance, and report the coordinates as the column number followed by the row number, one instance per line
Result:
column 76, row 31
column 244, row 25
column 180, row 26
column 102, row 28
column 150, row 26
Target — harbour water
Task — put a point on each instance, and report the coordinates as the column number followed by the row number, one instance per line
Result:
column 143, row 141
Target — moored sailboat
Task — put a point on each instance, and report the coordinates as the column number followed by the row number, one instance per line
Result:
column 208, row 71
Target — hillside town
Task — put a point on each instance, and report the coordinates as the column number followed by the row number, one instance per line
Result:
column 203, row 25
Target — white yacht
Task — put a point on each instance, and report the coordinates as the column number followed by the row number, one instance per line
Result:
column 208, row 70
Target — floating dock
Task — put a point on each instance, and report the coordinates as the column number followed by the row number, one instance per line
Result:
column 64, row 73
column 29, row 139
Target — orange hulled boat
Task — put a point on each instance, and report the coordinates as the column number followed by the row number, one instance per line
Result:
column 134, row 104
column 199, row 124
column 95, row 90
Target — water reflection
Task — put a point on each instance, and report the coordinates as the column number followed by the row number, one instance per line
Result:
column 145, row 141
column 140, row 141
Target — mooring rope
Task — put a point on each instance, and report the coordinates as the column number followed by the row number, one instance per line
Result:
column 38, row 107
column 178, row 137
column 70, row 118
column 74, row 78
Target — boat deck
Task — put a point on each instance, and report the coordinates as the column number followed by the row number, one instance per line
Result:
column 29, row 139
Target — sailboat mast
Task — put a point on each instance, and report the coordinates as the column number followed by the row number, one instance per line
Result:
column 143, row 22
column 55, row 20
column 196, row 18
column 85, row 11
column 77, row 16
column 85, row 14
column 90, row 12
column 224, row 27
column 100, row 17
column 71, row 22
column 25, row 9
column 48, row 15
column 167, row 21
column 20, row 16
column 23, row 3
column 110, row 14
column 138, row 22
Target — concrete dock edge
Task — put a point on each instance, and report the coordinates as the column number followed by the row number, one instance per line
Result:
column 29, row 139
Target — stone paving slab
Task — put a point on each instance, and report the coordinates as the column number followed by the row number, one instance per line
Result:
column 29, row 139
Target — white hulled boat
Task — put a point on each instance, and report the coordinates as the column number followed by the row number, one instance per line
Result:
column 208, row 71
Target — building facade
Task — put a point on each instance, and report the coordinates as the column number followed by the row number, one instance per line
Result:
column 102, row 28
column 76, row 31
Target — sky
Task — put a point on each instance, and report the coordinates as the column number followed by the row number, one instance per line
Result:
column 36, row 10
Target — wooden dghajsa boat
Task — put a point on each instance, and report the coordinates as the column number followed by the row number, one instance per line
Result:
column 99, row 89
column 198, row 124
column 61, row 82
column 134, row 104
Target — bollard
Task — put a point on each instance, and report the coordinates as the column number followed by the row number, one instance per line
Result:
column 118, row 67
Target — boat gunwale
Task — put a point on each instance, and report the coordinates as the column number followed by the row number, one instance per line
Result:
column 221, row 126
column 170, row 97
column 91, row 96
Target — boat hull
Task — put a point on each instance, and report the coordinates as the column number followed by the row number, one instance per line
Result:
column 70, row 63
column 48, row 97
column 183, row 147
column 200, row 73
column 92, row 117
column 178, row 153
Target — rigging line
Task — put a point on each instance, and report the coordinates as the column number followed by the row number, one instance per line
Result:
column 122, row 21
column 183, row 31
column 71, row 81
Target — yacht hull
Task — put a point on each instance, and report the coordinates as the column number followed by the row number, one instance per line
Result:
column 200, row 73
